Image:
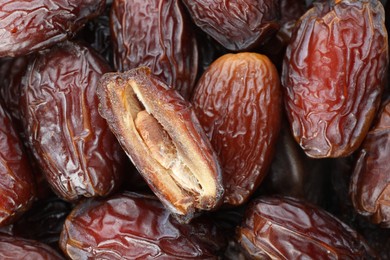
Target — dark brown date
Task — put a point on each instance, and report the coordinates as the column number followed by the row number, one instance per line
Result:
column 27, row 26
column 370, row 184
column 238, row 103
column 333, row 75
column 161, row 134
column 237, row 25
column 286, row 228
column 158, row 35
column 17, row 187
column 131, row 226
column 71, row 142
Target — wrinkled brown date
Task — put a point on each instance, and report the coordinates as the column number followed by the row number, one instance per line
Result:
column 156, row 34
column 131, row 226
column 17, row 187
column 370, row 184
column 161, row 134
column 27, row 26
column 238, row 103
column 237, row 25
column 286, row 228
column 333, row 75
column 71, row 142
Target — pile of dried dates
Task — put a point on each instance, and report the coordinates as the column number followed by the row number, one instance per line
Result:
column 194, row 129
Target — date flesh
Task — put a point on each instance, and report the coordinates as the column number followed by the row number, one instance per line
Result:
column 131, row 226
column 28, row 26
column 161, row 134
column 158, row 35
column 333, row 75
column 71, row 142
column 238, row 103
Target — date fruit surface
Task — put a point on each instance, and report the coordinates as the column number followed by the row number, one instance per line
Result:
column 370, row 185
column 333, row 75
column 156, row 34
column 285, row 228
column 131, row 226
column 27, row 26
column 161, row 134
column 71, row 142
column 238, row 103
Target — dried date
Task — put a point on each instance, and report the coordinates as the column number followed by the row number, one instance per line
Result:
column 333, row 74
column 73, row 145
column 238, row 103
column 27, row 26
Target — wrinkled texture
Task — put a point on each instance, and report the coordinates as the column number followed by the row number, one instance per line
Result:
column 160, row 133
column 130, row 226
column 236, row 24
column 286, row 228
column 370, row 184
column 71, row 142
column 333, row 75
column 27, row 26
column 17, row 185
column 238, row 103
column 156, row 34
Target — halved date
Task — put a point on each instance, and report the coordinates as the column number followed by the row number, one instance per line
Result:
column 73, row 145
column 333, row 74
column 161, row 134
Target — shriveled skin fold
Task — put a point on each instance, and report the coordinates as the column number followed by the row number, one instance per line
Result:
column 27, row 26
column 17, row 187
column 161, row 134
column 12, row 247
column 238, row 103
column 236, row 24
column 156, row 34
column 286, row 228
column 370, row 184
column 333, row 74
column 132, row 226
column 73, row 145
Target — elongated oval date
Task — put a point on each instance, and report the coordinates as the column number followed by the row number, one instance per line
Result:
column 236, row 24
column 17, row 188
column 238, row 103
column 72, row 143
column 286, row 228
column 161, row 134
column 370, row 184
column 333, row 74
column 19, row 248
column 132, row 226
column 156, row 34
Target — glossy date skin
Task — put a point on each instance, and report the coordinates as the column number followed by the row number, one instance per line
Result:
column 238, row 103
column 132, row 226
column 333, row 75
column 286, row 228
column 237, row 25
column 370, row 184
column 73, row 145
column 28, row 26
column 158, row 35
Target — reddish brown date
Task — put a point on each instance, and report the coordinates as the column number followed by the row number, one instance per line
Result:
column 285, row 228
column 130, row 226
column 17, row 186
column 370, row 184
column 333, row 75
column 71, row 142
column 161, row 134
column 238, row 103
column 237, row 25
column 156, row 34
column 27, row 26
